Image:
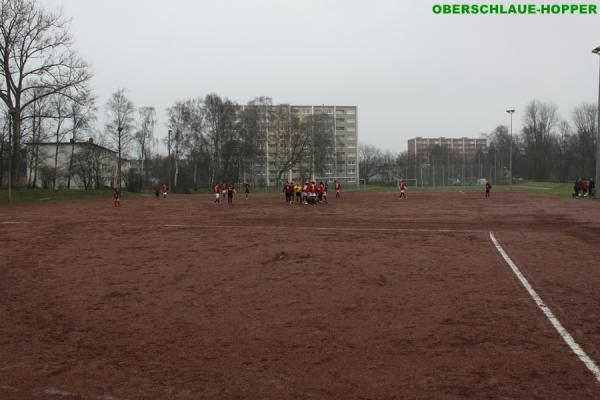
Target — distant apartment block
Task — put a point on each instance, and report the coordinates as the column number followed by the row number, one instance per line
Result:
column 331, row 148
column 421, row 147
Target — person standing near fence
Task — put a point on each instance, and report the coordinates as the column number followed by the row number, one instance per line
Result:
column 488, row 189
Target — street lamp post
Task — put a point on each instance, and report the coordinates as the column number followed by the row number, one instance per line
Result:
column 597, row 52
column 510, row 156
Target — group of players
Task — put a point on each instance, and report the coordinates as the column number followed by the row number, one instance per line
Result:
column 228, row 190
column 309, row 192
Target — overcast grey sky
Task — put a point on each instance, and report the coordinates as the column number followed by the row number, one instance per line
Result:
column 410, row 72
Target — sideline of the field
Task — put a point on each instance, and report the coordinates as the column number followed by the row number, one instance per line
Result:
column 309, row 228
column 566, row 336
column 326, row 229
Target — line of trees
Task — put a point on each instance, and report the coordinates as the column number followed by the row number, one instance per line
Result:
column 547, row 148
column 41, row 76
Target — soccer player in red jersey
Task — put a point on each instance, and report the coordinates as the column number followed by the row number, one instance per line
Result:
column 321, row 191
column 312, row 193
column 230, row 193
column 165, row 190
column 117, row 196
column 217, row 192
column 402, row 187
column 247, row 189
column 488, row 189
column 289, row 192
column 338, row 188
column 305, row 193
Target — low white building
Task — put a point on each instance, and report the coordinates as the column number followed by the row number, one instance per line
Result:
column 75, row 165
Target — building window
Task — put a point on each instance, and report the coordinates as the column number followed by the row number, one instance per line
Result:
column 340, row 119
column 340, row 128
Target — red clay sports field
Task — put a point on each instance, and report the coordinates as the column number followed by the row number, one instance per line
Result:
column 364, row 298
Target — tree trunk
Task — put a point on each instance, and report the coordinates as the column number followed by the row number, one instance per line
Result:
column 15, row 148
column 195, row 176
column 176, row 171
column 2, row 159
column 55, row 164
column 71, row 160
column 143, row 155
column 119, row 164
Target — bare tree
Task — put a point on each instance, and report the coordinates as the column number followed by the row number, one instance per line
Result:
column 60, row 109
column 119, row 128
column 294, row 139
column 253, row 137
column 179, row 120
column 223, row 139
column 370, row 159
column 4, row 141
column 195, row 142
column 322, row 143
column 538, row 124
column 35, row 53
column 83, row 113
column 584, row 119
column 145, row 133
column 564, row 150
column 38, row 113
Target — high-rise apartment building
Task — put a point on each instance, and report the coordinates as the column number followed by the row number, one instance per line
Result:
column 306, row 142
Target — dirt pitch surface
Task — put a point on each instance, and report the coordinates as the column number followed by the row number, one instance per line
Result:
column 367, row 297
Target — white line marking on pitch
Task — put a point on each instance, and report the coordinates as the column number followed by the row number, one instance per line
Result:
column 575, row 348
column 313, row 228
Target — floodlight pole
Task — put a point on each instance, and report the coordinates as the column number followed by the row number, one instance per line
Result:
column 510, row 181
column 597, row 180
